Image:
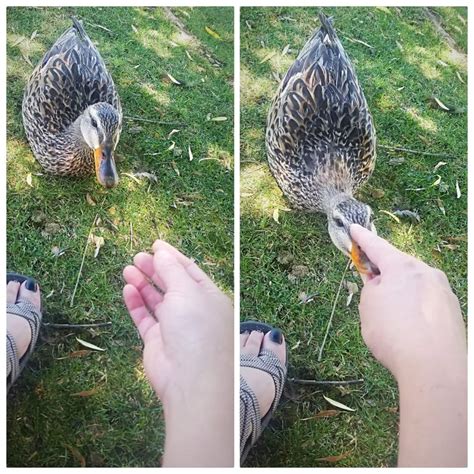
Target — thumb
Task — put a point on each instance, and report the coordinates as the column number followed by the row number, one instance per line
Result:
column 378, row 250
column 171, row 272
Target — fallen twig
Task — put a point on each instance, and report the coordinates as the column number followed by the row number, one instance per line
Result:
column 320, row 355
column 414, row 152
column 76, row 326
column 84, row 256
column 354, row 40
column 141, row 119
column 325, row 382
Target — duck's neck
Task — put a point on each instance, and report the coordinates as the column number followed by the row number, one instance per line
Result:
column 332, row 197
column 73, row 146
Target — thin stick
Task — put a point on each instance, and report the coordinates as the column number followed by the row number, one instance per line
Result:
column 77, row 326
column 325, row 382
column 414, row 152
column 353, row 40
column 140, row 119
column 84, row 255
column 320, row 355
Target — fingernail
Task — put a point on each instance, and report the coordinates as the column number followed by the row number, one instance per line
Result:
column 30, row 284
column 276, row 336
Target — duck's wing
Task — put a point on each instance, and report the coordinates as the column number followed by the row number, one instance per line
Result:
column 70, row 77
column 320, row 108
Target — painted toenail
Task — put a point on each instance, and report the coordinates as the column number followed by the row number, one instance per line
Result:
column 276, row 336
column 30, row 284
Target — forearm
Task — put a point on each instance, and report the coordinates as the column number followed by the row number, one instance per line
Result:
column 200, row 434
column 433, row 416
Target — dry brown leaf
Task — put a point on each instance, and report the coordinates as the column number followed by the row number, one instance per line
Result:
column 79, row 353
column 89, row 200
column 459, row 77
column 336, row 458
column 276, row 215
column 89, row 345
column 395, row 218
column 439, row 164
column 337, row 404
column 437, row 181
column 441, row 206
column 175, row 130
column 440, row 104
column 77, row 455
column 33, row 35
column 173, row 80
column 29, row 181
column 57, row 251
column 98, row 241
column 267, row 57
column 27, row 59
column 86, row 393
column 327, row 413
column 458, row 190
column 212, row 33
column 190, row 153
column 285, row 49
column 176, row 170
column 219, row 119
column 377, row 193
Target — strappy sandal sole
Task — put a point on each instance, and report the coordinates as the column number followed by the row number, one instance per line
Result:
column 249, row 326
column 25, row 309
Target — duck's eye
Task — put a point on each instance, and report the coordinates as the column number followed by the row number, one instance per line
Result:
column 338, row 222
column 94, row 123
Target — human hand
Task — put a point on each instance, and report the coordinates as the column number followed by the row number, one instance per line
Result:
column 410, row 318
column 187, row 329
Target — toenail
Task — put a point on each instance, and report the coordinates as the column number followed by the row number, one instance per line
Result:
column 276, row 336
column 30, row 284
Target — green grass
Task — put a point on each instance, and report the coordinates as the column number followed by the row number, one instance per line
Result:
column 122, row 424
column 398, row 82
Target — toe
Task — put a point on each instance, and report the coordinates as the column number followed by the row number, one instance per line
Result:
column 275, row 342
column 253, row 343
column 12, row 291
column 29, row 290
column 243, row 338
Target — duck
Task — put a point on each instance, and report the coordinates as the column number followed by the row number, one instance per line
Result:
column 71, row 110
column 321, row 141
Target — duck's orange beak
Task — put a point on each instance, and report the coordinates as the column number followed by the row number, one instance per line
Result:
column 361, row 261
column 105, row 169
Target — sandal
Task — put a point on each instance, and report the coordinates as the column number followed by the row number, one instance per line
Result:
column 25, row 309
column 251, row 422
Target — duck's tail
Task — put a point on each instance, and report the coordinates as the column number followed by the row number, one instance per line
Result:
column 327, row 28
column 79, row 28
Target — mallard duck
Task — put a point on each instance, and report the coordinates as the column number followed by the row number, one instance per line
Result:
column 71, row 110
column 320, row 138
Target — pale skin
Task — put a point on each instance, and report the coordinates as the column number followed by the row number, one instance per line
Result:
column 412, row 323
column 187, row 331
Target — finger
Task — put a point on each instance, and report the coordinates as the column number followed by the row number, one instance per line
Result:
column 12, row 291
column 149, row 293
column 198, row 275
column 144, row 262
column 170, row 271
column 138, row 311
column 378, row 250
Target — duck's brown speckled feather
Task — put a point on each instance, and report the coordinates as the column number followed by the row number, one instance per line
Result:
column 70, row 77
column 320, row 136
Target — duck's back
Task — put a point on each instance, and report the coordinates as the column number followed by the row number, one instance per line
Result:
column 319, row 126
column 70, row 77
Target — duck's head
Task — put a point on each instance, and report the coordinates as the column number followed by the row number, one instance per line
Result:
column 100, row 128
column 346, row 212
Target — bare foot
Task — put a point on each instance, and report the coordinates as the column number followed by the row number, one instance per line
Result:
column 259, row 381
column 17, row 326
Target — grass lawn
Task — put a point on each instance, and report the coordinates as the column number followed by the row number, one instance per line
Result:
column 120, row 422
column 401, row 61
